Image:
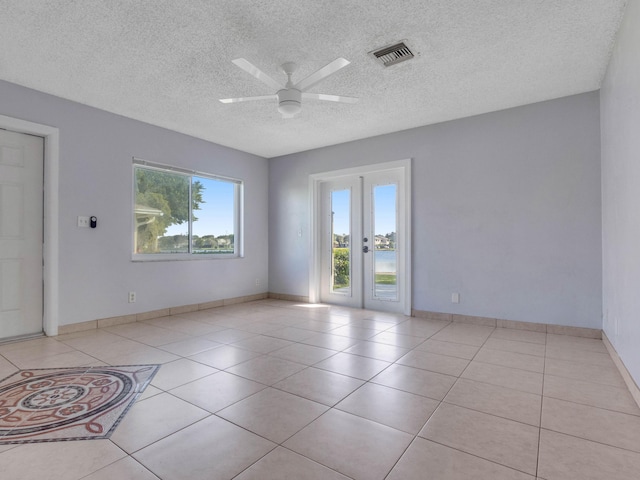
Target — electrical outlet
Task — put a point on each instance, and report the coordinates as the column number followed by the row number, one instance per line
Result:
column 455, row 297
column 132, row 297
column 257, row 282
column 83, row 222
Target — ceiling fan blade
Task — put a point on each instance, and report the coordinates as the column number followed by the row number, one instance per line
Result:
column 251, row 69
column 321, row 74
column 248, row 99
column 330, row 98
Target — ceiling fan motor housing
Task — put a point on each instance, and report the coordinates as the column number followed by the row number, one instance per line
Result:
column 289, row 101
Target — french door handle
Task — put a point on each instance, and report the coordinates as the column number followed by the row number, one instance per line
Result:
column 365, row 249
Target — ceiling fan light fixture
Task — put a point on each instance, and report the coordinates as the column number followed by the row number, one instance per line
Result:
column 289, row 107
column 289, row 101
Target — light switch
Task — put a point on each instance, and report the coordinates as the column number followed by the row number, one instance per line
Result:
column 83, row 222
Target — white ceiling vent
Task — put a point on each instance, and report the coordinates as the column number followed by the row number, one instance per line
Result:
column 396, row 53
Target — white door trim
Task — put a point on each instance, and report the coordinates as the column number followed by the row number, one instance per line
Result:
column 315, row 226
column 51, row 233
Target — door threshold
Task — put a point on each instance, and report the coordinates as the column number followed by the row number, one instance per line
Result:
column 21, row 338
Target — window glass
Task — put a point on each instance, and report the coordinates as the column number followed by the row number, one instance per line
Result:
column 179, row 213
column 212, row 224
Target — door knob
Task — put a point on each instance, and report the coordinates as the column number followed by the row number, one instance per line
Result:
column 365, row 249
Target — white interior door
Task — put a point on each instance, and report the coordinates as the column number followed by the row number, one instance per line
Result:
column 364, row 241
column 21, row 234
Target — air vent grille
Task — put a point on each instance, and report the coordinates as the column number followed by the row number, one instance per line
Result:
column 393, row 54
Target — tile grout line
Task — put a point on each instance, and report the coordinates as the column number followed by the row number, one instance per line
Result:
column 478, row 456
column 440, row 402
column 432, row 413
column 497, row 416
column 587, row 404
column 636, row 452
column 544, row 370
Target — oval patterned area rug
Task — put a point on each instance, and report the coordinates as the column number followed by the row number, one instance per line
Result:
column 46, row 405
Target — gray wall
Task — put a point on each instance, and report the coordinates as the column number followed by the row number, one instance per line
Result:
column 620, row 105
column 96, row 270
column 506, row 211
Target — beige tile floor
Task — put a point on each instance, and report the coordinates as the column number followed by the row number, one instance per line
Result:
column 278, row 390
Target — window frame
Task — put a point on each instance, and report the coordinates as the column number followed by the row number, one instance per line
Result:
column 238, row 215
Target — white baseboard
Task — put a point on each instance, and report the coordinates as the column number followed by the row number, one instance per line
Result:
column 501, row 323
column 164, row 312
column 628, row 379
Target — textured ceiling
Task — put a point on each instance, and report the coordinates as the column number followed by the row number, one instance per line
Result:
column 166, row 62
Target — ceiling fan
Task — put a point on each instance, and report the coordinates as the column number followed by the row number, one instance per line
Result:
column 290, row 95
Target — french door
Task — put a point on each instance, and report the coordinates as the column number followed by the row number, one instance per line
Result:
column 21, row 234
column 363, row 241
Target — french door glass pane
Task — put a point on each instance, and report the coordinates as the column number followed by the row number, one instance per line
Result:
column 385, row 228
column 341, row 241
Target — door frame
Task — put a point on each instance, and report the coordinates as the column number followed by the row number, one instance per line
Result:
column 50, row 249
column 315, row 222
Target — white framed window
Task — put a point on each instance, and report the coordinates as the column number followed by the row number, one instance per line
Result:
column 180, row 214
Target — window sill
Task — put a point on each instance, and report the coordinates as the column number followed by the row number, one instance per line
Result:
column 150, row 257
